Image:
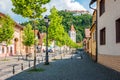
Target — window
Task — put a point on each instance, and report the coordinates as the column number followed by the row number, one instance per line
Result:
column 118, row 30
column 94, row 36
column 102, row 36
column 2, row 49
column 7, row 49
column 102, row 7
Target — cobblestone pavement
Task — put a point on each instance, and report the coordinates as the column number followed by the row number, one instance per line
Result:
column 75, row 68
column 6, row 66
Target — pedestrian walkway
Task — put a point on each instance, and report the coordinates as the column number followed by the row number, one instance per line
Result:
column 78, row 67
column 17, row 63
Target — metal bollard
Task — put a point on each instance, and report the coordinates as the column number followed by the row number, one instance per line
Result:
column 38, row 60
column 72, row 56
column 54, row 56
column 42, row 58
column 18, row 58
column 13, row 69
column 61, row 57
column 29, row 63
column 21, row 66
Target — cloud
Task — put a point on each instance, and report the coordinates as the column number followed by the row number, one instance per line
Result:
column 6, row 5
column 64, row 4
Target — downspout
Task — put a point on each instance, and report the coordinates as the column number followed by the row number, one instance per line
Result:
column 96, row 56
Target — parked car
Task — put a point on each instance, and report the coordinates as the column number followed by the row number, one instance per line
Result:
column 49, row 50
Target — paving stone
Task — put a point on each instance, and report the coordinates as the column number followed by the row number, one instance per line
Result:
column 70, row 69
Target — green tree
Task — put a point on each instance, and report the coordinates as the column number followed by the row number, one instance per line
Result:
column 67, row 19
column 28, row 37
column 6, row 29
column 80, row 22
column 31, row 9
column 39, row 26
column 56, row 30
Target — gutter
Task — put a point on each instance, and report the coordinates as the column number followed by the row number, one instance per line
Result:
column 96, row 56
column 92, row 1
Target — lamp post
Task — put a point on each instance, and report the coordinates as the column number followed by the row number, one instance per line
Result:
column 46, row 19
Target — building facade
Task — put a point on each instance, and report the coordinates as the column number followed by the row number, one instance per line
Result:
column 87, row 41
column 15, row 47
column 78, row 12
column 108, row 30
column 93, row 37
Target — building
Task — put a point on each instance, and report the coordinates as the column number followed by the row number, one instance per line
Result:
column 40, row 37
column 86, row 40
column 72, row 33
column 15, row 47
column 93, row 37
column 78, row 12
column 108, row 32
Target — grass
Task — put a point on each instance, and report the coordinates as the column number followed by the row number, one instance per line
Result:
column 36, row 70
column 55, row 59
column 4, row 60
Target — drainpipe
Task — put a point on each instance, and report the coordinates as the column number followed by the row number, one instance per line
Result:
column 96, row 56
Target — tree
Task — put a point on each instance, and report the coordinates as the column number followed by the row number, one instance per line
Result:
column 6, row 29
column 56, row 30
column 31, row 9
column 39, row 26
column 80, row 22
column 28, row 37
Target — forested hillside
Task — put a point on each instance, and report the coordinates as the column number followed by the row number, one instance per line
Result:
column 80, row 22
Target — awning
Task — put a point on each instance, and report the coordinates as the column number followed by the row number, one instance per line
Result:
column 92, row 1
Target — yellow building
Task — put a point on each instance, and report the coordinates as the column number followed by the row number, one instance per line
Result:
column 93, row 37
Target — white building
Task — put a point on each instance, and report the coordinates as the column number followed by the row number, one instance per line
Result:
column 72, row 33
column 108, row 32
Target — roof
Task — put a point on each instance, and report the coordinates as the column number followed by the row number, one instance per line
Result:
column 16, row 24
column 92, row 1
column 72, row 28
column 1, row 14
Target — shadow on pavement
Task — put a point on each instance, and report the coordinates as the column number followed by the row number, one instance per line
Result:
column 78, row 66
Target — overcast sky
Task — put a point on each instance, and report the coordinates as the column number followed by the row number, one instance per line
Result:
column 6, row 5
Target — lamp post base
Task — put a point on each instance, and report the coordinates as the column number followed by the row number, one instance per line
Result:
column 46, row 63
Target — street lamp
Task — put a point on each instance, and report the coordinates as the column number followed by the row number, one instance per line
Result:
column 46, row 19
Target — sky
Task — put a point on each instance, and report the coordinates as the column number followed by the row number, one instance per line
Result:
column 6, row 6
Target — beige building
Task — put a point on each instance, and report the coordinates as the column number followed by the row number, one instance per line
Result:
column 108, row 30
column 86, row 40
column 93, row 37
column 15, row 47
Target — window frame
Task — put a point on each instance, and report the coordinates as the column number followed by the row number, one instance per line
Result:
column 103, row 36
column 118, row 30
column 102, row 7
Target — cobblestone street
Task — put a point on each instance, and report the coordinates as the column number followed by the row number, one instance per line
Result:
column 70, row 69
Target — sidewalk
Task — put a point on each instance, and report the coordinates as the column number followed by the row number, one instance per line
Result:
column 70, row 69
column 6, row 66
